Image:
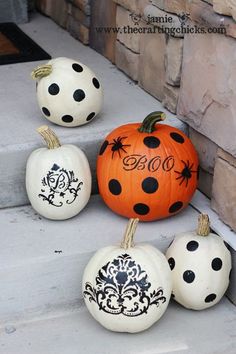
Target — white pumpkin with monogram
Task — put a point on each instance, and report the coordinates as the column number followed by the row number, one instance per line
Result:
column 58, row 178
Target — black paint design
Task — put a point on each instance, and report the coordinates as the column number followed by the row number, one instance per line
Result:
column 46, row 112
column 96, row 83
column 118, row 145
column 216, row 264
column 79, row 95
column 67, row 118
column 150, row 185
column 141, row 209
column 122, row 287
column 53, row 89
column 171, row 262
column 103, row 147
column 192, row 246
column 168, row 163
column 114, row 187
column 141, row 162
column 76, row 67
column 186, row 173
column 198, row 172
column 210, row 298
column 189, row 276
column 177, row 137
column 175, row 207
column 151, row 142
column 90, row 116
column 60, row 186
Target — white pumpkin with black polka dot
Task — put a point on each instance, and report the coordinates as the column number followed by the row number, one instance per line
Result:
column 200, row 263
column 68, row 92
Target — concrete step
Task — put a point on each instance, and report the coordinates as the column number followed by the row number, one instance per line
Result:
column 20, row 115
column 36, row 280
column 179, row 331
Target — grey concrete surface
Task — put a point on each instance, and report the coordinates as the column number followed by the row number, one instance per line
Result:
column 179, row 331
column 36, row 280
column 20, row 115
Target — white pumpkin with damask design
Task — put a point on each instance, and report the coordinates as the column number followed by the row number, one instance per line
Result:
column 127, row 288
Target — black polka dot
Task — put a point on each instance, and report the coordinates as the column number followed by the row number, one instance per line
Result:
column 141, row 209
column 103, row 147
column 78, row 68
column 177, row 137
column 192, row 246
column 53, row 89
column 151, row 142
column 171, row 262
column 114, row 187
column 46, row 112
column 175, row 207
column 96, row 83
column 173, row 296
column 216, row 264
column 67, row 119
column 150, row 185
column 188, row 276
column 91, row 116
column 210, row 298
column 79, row 95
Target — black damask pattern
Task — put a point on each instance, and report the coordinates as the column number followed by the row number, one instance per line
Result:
column 122, row 287
column 60, row 186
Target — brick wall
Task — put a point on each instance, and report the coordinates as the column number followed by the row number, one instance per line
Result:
column 192, row 75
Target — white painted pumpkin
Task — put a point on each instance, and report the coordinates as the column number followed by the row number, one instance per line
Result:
column 58, row 178
column 127, row 288
column 200, row 263
column 68, row 92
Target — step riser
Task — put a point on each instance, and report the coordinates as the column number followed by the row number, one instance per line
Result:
column 33, row 290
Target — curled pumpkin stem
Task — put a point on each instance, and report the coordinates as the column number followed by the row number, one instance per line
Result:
column 148, row 125
column 203, row 225
column 49, row 137
column 129, row 234
column 41, row 71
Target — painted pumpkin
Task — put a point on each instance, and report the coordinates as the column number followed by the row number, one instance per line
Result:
column 200, row 264
column 127, row 288
column 147, row 170
column 58, row 178
column 68, row 92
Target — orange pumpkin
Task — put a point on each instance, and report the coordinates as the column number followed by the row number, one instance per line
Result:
column 147, row 170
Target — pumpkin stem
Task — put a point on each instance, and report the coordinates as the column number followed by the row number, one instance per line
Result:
column 148, row 125
column 41, row 71
column 129, row 234
column 49, row 137
column 203, row 225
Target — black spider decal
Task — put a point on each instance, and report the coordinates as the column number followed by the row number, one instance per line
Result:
column 117, row 145
column 186, row 173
